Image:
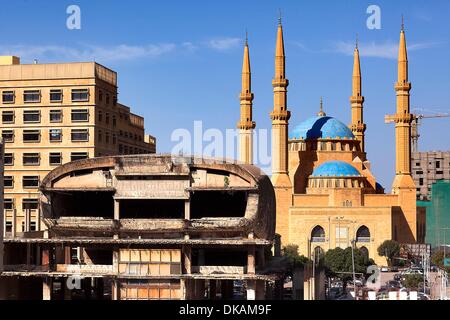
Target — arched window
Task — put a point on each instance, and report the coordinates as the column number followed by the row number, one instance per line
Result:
column 333, row 146
column 318, row 234
column 363, row 234
column 364, row 251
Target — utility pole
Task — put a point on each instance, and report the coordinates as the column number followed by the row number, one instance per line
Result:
column 353, row 267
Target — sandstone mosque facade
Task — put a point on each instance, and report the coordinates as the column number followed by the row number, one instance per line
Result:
column 326, row 194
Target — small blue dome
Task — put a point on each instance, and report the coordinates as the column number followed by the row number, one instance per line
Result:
column 336, row 169
column 321, row 127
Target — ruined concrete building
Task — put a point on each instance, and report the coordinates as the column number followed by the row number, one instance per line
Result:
column 146, row 227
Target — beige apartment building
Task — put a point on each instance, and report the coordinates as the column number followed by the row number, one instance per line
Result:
column 52, row 114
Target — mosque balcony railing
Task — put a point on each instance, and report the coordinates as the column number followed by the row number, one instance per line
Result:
column 363, row 239
column 318, row 239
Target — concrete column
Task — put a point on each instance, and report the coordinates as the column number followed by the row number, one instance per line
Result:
column 38, row 219
column 251, row 288
column 27, row 220
column 116, row 209
column 47, row 288
column 187, row 209
column 67, row 255
column 251, row 260
column 116, row 261
column 115, row 290
column 183, row 288
column 187, row 258
column 14, row 224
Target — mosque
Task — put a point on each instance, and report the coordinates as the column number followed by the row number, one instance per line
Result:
column 326, row 195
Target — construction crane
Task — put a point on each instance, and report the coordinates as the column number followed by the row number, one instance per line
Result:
column 416, row 120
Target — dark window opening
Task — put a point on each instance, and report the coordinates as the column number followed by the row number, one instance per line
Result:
column 32, row 96
column 31, row 135
column 318, row 234
column 9, row 159
column 55, row 115
column 152, row 209
column 98, row 256
column 8, row 204
column 363, row 234
column 30, row 181
column 30, row 204
column 8, row 135
column 8, row 181
column 8, row 116
column 78, row 156
column 80, row 94
column 8, row 96
column 55, row 158
column 56, row 95
column 219, row 257
column 31, row 116
column 83, row 204
column 216, row 204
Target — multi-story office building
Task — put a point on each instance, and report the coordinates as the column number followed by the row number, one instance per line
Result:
column 1, row 204
column 52, row 114
column 427, row 168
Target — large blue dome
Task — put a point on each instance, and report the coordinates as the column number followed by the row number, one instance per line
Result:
column 321, row 127
column 335, row 169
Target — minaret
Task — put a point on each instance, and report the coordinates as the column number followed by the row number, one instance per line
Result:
column 245, row 124
column 357, row 126
column 402, row 119
column 280, row 117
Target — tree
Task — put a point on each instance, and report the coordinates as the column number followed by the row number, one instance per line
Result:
column 437, row 258
column 412, row 281
column 389, row 249
column 338, row 263
column 295, row 260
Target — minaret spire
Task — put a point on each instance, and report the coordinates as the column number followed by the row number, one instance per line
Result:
column 403, row 184
column 403, row 118
column 280, row 115
column 357, row 126
column 246, row 124
column 321, row 113
column 280, row 122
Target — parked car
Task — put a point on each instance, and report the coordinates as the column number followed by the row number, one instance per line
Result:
column 384, row 269
column 413, row 271
column 393, row 284
column 423, row 296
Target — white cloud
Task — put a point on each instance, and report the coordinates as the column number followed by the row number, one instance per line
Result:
column 108, row 54
column 388, row 49
column 223, row 44
column 87, row 52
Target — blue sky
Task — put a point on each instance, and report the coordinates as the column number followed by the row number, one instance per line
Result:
column 180, row 61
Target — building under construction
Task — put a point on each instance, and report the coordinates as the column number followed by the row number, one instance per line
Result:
column 146, row 227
